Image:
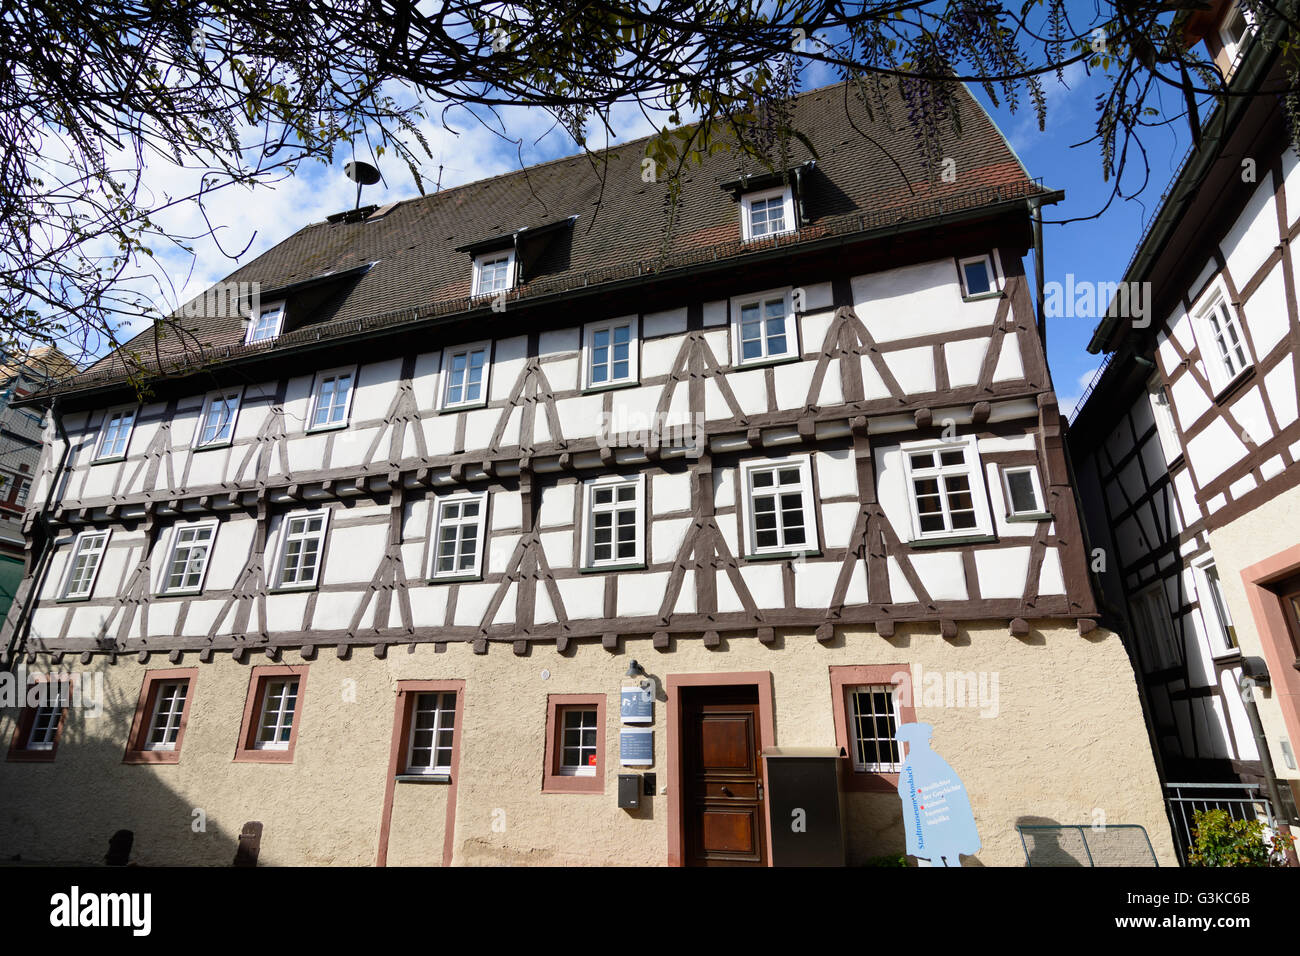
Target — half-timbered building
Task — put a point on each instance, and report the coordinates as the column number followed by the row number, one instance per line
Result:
column 1186, row 448
column 365, row 574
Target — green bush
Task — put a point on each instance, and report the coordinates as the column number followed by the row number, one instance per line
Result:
column 1219, row 840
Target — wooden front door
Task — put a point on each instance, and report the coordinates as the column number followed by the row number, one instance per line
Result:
column 722, row 775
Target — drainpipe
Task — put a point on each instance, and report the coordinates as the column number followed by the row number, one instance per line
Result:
column 1251, row 677
column 1036, row 214
column 42, row 564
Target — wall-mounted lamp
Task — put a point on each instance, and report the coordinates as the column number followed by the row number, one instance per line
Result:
column 634, row 670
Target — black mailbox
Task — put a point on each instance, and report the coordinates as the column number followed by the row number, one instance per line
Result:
column 629, row 791
column 805, row 805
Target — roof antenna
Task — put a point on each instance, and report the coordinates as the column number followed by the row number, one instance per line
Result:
column 438, row 187
column 363, row 174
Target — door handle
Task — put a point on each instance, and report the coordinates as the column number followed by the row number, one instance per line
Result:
column 760, row 791
column 727, row 791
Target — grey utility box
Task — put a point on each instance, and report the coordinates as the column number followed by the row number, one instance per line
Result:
column 805, row 805
column 629, row 791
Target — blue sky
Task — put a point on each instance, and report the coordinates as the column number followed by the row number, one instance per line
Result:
column 1095, row 250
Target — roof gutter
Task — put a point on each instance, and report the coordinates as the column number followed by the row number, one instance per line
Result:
column 1252, row 72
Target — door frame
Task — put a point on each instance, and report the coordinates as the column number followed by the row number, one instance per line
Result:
column 1270, row 620
column 762, row 680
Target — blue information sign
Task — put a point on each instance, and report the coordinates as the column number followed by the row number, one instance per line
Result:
column 636, row 746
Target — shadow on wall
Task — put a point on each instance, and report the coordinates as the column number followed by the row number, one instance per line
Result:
column 79, row 808
column 1048, row 842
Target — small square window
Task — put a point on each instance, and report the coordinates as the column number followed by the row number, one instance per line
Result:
column 1221, row 339
column 187, row 561
column 610, row 353
column 1023, row 495
column 465, row 372
column 272, row 713
column 115, row 434
column 331, row 399
column 946, row 488
column 83, row 567
column 459, row 527
column 494, row 272
column 158, row 730
column 575, row 744
column 216, row 426
column 36, row 738
column 615, row 511
column 780, row 514
column 266, row 324
column 764, row 328
column 870, row 702
column 302, row 549
column 767, row 213
column 978, row 277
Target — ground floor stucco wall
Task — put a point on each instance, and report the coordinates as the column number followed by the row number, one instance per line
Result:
column 1061, row 739
column 1257, row 536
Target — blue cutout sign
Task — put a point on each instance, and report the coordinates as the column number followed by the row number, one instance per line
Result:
column 936, row 809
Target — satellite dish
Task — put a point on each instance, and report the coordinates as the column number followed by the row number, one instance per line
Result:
column 363, row 174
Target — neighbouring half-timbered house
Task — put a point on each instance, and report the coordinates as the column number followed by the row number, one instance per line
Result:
column 1187, row 448
column 364, row 577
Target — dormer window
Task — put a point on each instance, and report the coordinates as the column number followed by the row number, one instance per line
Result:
column 979, row 277
column 266, row 323
column 494, row 272
column 767, row 213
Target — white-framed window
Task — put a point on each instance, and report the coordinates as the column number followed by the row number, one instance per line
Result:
column 83, row 567
column 45, row 727
column 165, row 721
column 767, row 213
column 494, row 272
column 609, row 352
column 875, row 719
column 187, row 558
column 1234, row 31
column 1220, row 336
column 979, row 276
column 275, row 726
column 1156, row 638
column 5, row 481
column 1023, row 493
column 216, row 426
column 331, row 398
column 945, row 488
column 1214, row 608
column 780, row 515
column 460, row 524
column 266, row 324
column 24, row 489
column 579, row 733
column 115, row 433
column 302, row 548
column 433, row 728
column 1163, row 413
column 764, row 327
column 615, row 522
column 465, row 373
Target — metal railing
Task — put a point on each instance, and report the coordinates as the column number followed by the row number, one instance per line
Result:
column 1241, row 801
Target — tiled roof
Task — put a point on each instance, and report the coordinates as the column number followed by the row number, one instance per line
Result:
column 869, row 172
